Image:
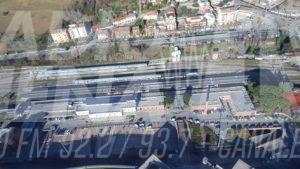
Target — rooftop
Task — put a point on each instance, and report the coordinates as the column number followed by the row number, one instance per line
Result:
column 240, row 164
column 237, row 95
column 123, row 17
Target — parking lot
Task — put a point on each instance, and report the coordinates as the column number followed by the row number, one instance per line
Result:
column 116, row 140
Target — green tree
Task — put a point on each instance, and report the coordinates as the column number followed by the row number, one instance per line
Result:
column 269, row 97
column 169, row 100
column 186, row 99
column 283, row 43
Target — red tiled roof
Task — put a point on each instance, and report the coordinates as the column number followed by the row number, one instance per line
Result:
column 96, row 27
column 170, row 11
column 122, row 17
column 294, row 98
column 152, row 13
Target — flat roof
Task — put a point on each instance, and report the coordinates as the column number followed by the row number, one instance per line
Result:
column 238, row 95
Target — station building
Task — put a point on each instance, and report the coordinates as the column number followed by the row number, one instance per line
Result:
column 234, row 100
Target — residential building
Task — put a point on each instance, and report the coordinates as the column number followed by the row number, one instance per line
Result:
column 152, row 15
column 77, row 31
column 161, row 25
column 231, row 15
column 124, row 20
column 102, row 34
column 195, row 22
column 171, row 19
column 121, row 32
column 59, row 36
column 150, row 30
column 135, row 31
column 232, row 100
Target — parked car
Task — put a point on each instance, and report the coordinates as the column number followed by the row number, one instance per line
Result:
column 173, row 118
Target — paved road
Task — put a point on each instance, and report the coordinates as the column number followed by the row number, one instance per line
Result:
column 155, row 41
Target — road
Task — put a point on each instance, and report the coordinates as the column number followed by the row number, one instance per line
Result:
column 200, row 37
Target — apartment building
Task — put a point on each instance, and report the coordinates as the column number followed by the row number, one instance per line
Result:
column 124, row 20
column 121, row 32
column 195, row 22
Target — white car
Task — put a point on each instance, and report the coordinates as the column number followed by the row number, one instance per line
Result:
column 149, row 126
column 173, row 118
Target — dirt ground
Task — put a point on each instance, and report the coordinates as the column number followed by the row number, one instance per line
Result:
column 41, row 12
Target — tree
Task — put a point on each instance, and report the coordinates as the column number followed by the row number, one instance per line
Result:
column 283, row 43
column 169, row 100
column 269, row 97
column 186, row 99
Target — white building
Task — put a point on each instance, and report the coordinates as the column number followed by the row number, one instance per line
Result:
column 210, row 19
column 170, row 19
column 231, row 15
column 77, row 31
column 59, row 36
column 195, row 22
column 106, row 107
column 181, row 1
column 176, row 54
column 105, row 115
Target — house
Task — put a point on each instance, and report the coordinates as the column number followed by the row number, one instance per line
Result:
column 77, row 31
column 171, row 19
column 152, row 15
column 150, row 30
column 121, row 32
column 124, row 20
column 102, row 34
column 59, row 36
column 135, row 31
column 195, row 22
